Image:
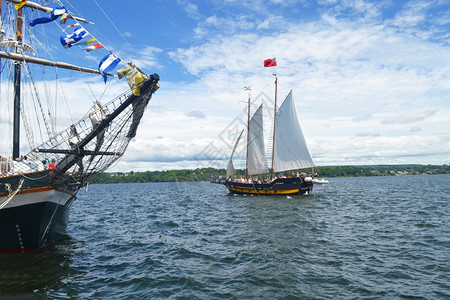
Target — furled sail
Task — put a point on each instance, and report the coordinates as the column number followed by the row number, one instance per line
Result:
column 291, row 151
column 230, row 170
column 257, row 162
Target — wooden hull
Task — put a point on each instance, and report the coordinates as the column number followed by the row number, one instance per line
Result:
column 35, row 216
column 280, row 186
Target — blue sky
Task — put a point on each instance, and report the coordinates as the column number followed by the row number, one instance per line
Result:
column 371, row 79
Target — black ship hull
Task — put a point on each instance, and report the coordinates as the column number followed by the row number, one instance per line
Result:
column 37, row 215
column 280, row 186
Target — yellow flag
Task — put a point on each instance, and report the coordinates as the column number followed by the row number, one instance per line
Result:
column 90, row 41
column 124, row 71
column 19, row 5
column 138, row 80
column 135, row 79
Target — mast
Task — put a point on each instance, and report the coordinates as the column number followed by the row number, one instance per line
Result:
column 274, row 124
column 19, row 57
column 248, row 136
column 17, row 74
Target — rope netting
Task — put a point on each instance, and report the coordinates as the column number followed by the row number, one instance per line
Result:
column 89, row 146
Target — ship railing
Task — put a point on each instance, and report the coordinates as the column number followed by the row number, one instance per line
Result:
column 4, row 166
column 10, row 167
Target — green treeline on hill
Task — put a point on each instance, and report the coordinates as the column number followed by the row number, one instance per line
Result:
column 334, row 171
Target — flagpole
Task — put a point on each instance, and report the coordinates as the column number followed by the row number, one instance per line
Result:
column 273, row 63
column 274, row 123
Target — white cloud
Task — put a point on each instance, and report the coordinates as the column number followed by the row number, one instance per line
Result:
column 382, row 150
column 190, row 8
column 370, row 87
column 409, row 117
column 196, row 114
column 413, row 14
column 342, row 72
column 415, row 129
column 363, row 83
column 148, row 57
column 362, row 118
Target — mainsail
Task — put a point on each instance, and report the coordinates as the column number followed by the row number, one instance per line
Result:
column 257, row 162
column 291, row 151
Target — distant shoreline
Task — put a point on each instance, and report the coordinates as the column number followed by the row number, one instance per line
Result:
column 203, row 174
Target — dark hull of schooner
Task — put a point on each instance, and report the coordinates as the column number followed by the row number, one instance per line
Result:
column 35, row 216
column 280, row 186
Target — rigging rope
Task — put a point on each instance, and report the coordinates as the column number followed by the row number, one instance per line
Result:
column 38, row 99
column 26, row 124
column 118, row 31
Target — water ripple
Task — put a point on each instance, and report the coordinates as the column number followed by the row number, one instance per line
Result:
column 380, row 237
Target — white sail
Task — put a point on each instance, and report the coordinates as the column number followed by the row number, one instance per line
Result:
column 230, row 170
column 291, row 151
column 257, row 162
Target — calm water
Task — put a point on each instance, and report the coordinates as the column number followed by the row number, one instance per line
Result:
column 378, row 237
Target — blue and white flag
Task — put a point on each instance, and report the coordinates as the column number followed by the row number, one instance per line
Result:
column 67, row 40
column 56, row 12
column 108, row 63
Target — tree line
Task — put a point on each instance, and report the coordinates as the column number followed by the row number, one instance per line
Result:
column 204, row 174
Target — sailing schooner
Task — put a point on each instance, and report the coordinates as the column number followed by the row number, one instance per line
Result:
column 289, row 153
column 37, row 189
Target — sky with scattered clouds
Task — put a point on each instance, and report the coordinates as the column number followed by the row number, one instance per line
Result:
column 371, row 79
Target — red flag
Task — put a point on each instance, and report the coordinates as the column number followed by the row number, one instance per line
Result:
column 270, row 62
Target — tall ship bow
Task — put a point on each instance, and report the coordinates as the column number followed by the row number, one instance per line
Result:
column 38, row 188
